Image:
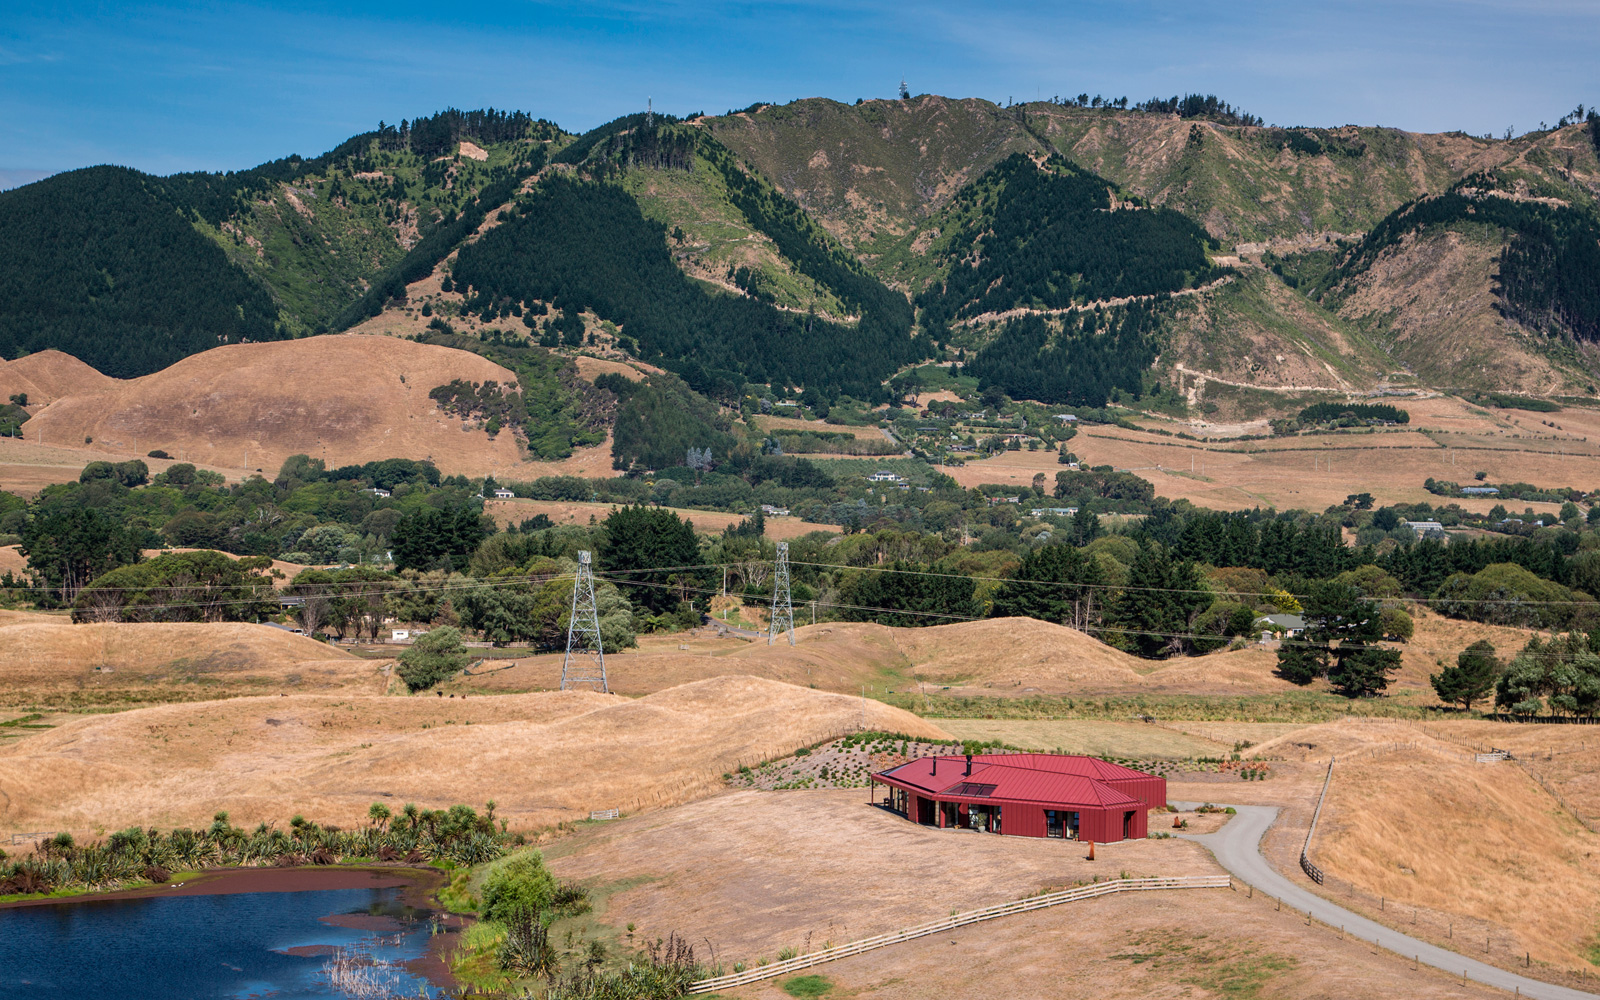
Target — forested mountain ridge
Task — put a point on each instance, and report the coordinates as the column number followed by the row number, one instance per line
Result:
column 788, row 244
column 872, row 172
column 131, row 272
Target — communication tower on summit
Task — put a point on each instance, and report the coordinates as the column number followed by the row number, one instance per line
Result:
column 782, row 618
column 585, row 663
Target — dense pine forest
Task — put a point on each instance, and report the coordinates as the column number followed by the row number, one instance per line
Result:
column 104, row 264
column 1048, row 238
column 585, row 245
column 1081, row 364
column 132, row 272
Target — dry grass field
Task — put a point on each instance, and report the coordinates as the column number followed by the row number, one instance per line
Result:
column 757, row 871
column 27, row 466
column 1470, row 852
column 1099, row 739
column 12, row 561
column 749, row 873
column 961, row 658
column 1210, row 944
column 1034, row 658
column 1448, row 438
column 771, row 424
column 590, row 368
column 49, row 375
column 49, row 661
column 508, row 512
column 543, row 757
column 346, row 399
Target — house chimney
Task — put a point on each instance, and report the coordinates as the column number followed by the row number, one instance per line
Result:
column 969, row 764
column 936, row 764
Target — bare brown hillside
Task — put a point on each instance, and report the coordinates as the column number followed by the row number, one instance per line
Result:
column 48, row 376
column 346, row 399
column 1431, row 301
column 60, row 663
column 1001, row 656
column 542, row 757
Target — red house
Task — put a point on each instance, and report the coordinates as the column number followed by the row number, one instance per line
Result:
column 1027, row 795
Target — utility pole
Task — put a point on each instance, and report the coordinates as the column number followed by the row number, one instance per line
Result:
column 584, row 665
column 782, row 616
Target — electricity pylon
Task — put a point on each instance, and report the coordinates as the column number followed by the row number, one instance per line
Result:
column 585, row 663
column 782, row 618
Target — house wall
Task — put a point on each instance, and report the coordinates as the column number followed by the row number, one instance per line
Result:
column 1018, row 819
column 1150, row 789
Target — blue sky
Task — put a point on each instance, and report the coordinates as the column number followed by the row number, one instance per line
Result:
column 226, row 85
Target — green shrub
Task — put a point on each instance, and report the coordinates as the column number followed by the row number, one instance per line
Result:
column 433, row 658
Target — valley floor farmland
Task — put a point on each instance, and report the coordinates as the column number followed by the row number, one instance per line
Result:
column 510, row 512
column 1448, row 439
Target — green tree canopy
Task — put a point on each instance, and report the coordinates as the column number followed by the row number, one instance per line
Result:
column 201, row 586
column 1054, row 583
column 653, row 553
column 433, row 658
column 1339, row 643
column 1471, row 679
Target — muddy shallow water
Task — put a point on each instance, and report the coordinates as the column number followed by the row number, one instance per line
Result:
column 258, row 933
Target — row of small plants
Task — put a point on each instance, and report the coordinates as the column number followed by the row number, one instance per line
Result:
column 459, row 835
column 848, row 762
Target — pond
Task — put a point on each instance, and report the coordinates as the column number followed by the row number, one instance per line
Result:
column 278, row 934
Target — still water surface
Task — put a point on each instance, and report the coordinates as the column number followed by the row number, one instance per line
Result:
column 283, row 945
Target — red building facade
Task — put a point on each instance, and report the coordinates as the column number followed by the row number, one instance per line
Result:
column 1027, row 795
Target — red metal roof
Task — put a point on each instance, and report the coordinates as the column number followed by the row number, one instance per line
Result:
column 997, row 777
column 1089, row 767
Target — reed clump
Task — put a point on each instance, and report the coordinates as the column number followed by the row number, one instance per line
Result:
column 460, row 835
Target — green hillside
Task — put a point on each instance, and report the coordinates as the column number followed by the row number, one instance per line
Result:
column 787, row 244
column 575, row 244
column 106, row 265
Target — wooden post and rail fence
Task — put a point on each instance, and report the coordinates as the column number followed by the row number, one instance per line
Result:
column 1312, row 871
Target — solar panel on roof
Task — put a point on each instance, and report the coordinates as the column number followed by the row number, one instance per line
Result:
column 972, row 789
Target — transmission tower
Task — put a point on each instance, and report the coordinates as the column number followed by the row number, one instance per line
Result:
column 782, row 612
column 585, row 663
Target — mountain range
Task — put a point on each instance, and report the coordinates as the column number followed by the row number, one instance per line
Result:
column 1060, row 252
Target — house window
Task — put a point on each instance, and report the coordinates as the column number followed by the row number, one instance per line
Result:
column 898, row 800
column 1061, row 824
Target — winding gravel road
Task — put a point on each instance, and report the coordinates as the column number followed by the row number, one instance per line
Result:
column 1237, row 847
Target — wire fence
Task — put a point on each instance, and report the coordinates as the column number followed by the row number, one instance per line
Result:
column 958, row 920
column 1491, row 942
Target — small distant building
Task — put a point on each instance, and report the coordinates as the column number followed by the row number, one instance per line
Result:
column 504, row 494
column 1053, row 511
column 1288, row 626
column 771, row 511
column 1425, row 528
column 1056, row 796
column 380, row 494
column 1066, row 418
column 786, row 402
column 407, row 635
column 883, row 476
column 1480, row 491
